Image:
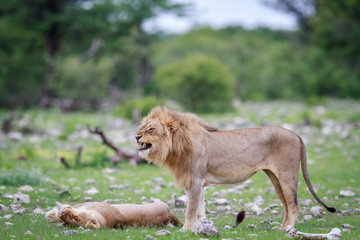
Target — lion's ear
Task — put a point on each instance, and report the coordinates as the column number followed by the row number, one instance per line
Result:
column 172, row 126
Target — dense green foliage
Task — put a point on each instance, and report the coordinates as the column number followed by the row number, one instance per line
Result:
column 199, row 83
column 41, row 41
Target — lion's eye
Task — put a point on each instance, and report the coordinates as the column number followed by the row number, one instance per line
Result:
column 150, row 129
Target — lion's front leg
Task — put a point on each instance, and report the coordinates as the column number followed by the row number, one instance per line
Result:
column 201, row 210
column 194, row 196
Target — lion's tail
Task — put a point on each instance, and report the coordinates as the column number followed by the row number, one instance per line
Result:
column 307, row 179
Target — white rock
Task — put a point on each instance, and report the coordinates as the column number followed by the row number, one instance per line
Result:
column 259, row 201
column 91, row 191
column 223, row 208
column 8, row 216
column 3, row 208
column 317, row 211
column 162, row 232
column 8, row 224
column 254, row 208
column 221, row 201
column 347, row 193
column 21, row 198
column 251, row 226
column 38, row 211
column 307, row 202
column 20, row 211
column 26, row 188
column 28, row 233
column 307, row 218
column 181, row 201
column 206, row 227
column 15, row 135
column 156, row 189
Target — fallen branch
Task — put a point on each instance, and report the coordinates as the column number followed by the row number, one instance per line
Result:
column 64, row 162
column 335, row 234
column 132, row 157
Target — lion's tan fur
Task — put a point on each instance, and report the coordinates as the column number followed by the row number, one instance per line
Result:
column 199, row 155
column 104, row 215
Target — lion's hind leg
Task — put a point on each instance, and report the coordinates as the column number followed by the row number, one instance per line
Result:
column 289, row 188
column 274, row 180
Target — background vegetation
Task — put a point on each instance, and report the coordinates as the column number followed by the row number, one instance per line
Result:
column 88, row 51
column 94, row 61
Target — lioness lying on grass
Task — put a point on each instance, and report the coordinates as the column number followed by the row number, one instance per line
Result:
column 104, row 215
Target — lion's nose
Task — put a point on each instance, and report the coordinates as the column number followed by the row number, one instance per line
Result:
column 138, row 137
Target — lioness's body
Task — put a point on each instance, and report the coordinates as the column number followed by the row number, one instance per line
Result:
column 104, row 215
column 198, row 155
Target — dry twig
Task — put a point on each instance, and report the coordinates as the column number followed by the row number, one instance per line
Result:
column 132, row 157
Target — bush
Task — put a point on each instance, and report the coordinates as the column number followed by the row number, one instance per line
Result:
column 200, row 83
column 83, row 82
column 144, row 105
column 18, row 177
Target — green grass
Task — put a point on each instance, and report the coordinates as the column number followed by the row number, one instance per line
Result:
column 335, row 158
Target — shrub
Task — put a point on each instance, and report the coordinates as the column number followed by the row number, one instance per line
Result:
column 200, row 83
column 144, row 105
column 18, row 177
column 83, row 82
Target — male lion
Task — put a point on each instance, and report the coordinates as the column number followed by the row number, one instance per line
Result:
column 199, row 155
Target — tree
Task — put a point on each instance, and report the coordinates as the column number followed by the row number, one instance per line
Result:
column 64, row 26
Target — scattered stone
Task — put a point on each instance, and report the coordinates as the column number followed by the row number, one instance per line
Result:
column 89, row 181
column 56, row 235
column 162, row 232
column 226, row 227
column 69, row 233
column 219, row 195
column 356, row 211
column 91, row 191
column 148, row 237
column 28, row 233
column 223, row 208
column 346, row 193
column 221, row 201
column 254, row 208
column 329, row 192
column 8, row 224
column 8, row 216
column 251, row 226
column 156, row 189
column 3, row 208
column 274, row 212
column 20, row 211
column 317, row 211
column 253, row 235
column 26, row 188
column 88, row 199
column 181, row 201
column 273, row 206
column 206, row 227
column 348, row 226
column 86, row 231
column 21, row 198
column 346, row 212
column 169, row 225
column 307, row 202
column 152, row 199
column 307, row 218
column 64, row 193
column 38, row 211
column 15, row 135
column 259, row 201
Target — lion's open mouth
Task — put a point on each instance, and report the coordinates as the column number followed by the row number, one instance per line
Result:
column 143, row 146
